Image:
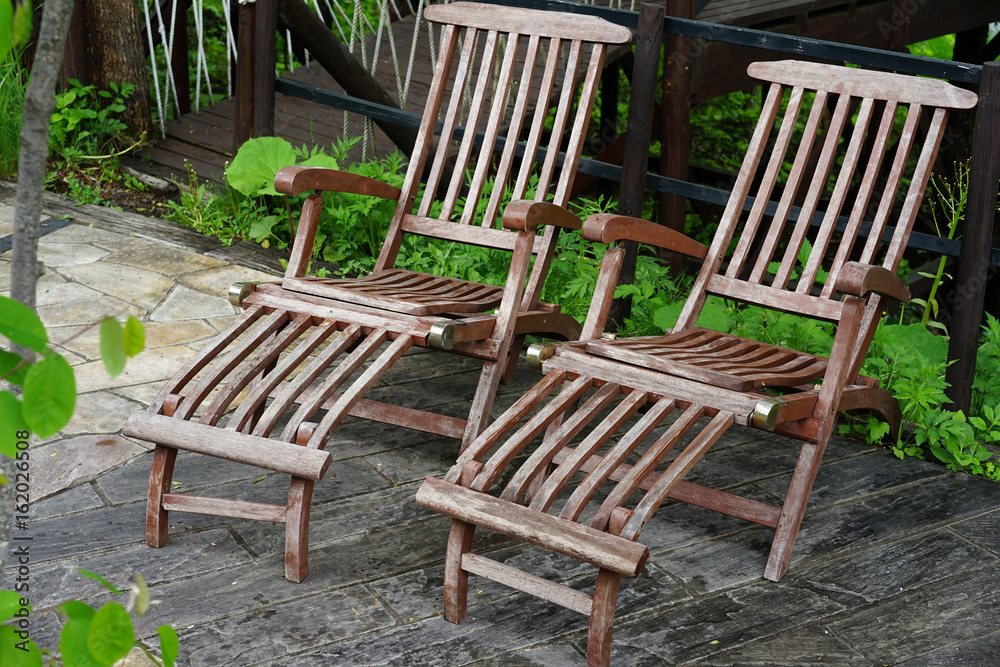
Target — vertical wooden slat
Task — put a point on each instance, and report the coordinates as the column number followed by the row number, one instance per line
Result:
column 795, row 178
column 578, row 132
column 471, row 125
column 763, row 193
column 860, row 204
column 734, row 208
column 240, row 419
column 514, row 130
column 414, row 174
column 243, row 114
column 888, row 200
column 538, row 123
column 836, row 203
column 450, row 120
column 630, row 483
column 559, row 121
column 485, row 159
column 506, row 453
column 816, row 189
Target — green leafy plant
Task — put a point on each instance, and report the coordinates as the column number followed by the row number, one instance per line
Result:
column 48, row 384
column 90, row 637
column 86, row 120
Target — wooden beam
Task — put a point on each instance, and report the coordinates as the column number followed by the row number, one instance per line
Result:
column 243, row 114
column 637, row 137
column 342, row 65
column 974, row 261
column 265, row 23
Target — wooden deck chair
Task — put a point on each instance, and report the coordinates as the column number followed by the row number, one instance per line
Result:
column 582, row 472
column 303, row 354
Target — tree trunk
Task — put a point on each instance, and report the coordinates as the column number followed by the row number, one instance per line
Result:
column 39, row 103
column 115, row 54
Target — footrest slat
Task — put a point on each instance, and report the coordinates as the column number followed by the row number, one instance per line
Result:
column 566, row 537
column 237, row 509
column 528, row 583
column 275, row 455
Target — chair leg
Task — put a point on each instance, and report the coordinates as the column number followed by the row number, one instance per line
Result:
column 297, row 529
column 602, row 618
column 456, row 580
column 793, row 510
column 486, row 391
column 160, row 474
column 510, row 365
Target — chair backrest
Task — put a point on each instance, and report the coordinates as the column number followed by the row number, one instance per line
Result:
column 857, row 143
column 517, row 78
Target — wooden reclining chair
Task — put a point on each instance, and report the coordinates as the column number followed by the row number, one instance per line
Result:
column 275, row 370
column 623, row 404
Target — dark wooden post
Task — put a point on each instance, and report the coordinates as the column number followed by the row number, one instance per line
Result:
column 648, row 39
column 243, row 93
column 265, row 24
column 74, row 63
column 977, row 235
column 179, row 57
column 675, row 124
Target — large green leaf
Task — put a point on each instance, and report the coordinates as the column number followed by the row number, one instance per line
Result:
column 8, row 362
column 21, row 325
column 10, row 602
column 112, row 346
column 73, row 643
column 135, row 337
column 169, row 645
column 12, row 418
column 10, row 654
column 111, row 635
column 49, row 396
column 258, row 160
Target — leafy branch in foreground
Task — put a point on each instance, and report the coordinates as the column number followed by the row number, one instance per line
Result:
column 48, row 384
column 90, row 637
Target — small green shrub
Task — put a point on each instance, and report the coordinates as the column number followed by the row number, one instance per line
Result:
column 87, row 122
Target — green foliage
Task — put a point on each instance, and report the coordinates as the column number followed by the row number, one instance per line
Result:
column 86, row 120
column 90, row 637
column 13, row 84
column 15, row 25
column 48, row 382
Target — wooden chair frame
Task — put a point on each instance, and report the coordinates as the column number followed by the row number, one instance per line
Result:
column 277, row 364
column 626, row 404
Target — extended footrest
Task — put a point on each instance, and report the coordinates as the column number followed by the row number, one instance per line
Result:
column 222, row 443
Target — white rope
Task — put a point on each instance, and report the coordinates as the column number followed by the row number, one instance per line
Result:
column 231, row 54
column 418, row 19
column 156, row 74
column 167, row 44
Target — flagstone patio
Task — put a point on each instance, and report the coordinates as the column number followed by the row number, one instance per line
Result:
column 897, row 562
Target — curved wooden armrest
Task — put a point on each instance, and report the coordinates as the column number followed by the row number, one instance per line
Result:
column 524, row 215
column 859, row 279
column 609, row 227
column 299, row 179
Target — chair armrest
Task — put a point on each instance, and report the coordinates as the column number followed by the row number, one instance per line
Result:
column 609, row 227
column 299, row 179
column 859, row 279
column 524, row 215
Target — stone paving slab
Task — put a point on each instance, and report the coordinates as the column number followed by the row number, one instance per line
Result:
column 895, row 563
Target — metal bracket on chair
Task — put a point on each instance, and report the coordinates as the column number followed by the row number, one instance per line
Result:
column 765, row 413
column 240, row 291
column 442, row 335
column 538, row 354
